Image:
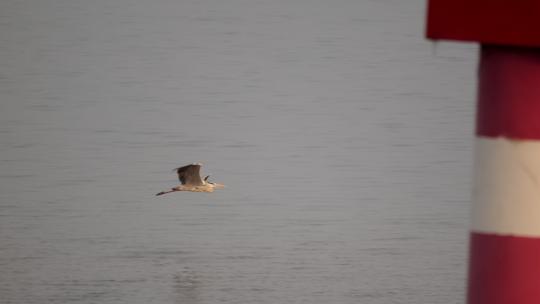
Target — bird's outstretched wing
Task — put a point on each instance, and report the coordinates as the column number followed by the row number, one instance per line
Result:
column 189, row 175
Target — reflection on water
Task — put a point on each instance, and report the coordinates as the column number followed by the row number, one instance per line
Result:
column 187, row 287
column 343, row 142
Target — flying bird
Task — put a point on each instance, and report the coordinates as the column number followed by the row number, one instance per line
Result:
column 191, row 180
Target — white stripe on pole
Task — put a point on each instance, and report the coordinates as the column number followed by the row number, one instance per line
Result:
column 506, row 194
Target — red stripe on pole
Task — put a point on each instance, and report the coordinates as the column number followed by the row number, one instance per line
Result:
column 509, row 92
column 486, row 21
column 504, row 270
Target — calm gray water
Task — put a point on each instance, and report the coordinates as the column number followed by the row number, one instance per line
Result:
column 344, row 139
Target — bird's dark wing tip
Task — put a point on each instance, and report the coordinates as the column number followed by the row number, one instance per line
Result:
column 185, row 167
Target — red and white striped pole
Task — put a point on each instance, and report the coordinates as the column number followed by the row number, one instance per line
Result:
column 504, row 256
column 504, row 265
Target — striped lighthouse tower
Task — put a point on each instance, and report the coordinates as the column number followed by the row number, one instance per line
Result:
column 505, row 238
column 504, row 254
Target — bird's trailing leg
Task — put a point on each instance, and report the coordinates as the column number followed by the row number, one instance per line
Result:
column 169, row 191
column 164, row 192
column 177, row 188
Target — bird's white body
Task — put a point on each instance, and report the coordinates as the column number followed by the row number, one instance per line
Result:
column 207, row 187
column 191, row 180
